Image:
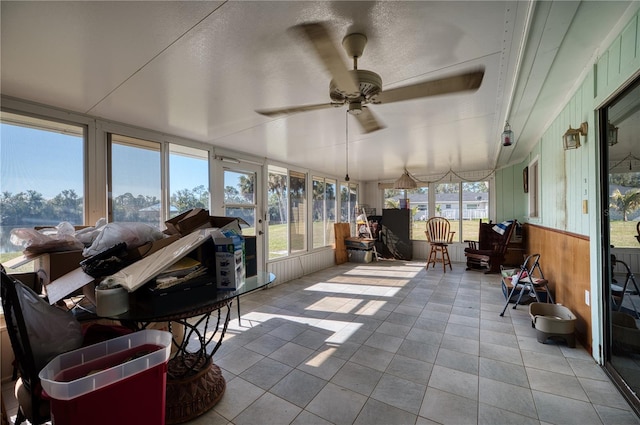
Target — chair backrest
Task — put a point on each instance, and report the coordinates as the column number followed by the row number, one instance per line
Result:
column 489, row 239
column 439, row 230
column 17, row 330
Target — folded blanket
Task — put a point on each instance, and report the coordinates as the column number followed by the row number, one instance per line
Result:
column 502, row 227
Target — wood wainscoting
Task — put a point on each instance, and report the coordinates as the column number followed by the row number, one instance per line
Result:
column 564, row 258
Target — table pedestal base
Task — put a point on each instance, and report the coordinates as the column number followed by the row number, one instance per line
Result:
column 189, row 397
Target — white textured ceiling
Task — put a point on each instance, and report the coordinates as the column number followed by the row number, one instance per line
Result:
column 200, row 70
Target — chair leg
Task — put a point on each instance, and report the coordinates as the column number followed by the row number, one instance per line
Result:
column 445, row 253
column 431, row 258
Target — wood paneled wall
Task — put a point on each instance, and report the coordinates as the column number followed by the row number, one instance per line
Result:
column 564, row 258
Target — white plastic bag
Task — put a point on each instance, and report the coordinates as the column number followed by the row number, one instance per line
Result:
column 89, row 234
column 51, row 331
column 133, row 234
column 59, row 238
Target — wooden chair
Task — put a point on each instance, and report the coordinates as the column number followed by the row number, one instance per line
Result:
column 487, row 254
column 439, row 237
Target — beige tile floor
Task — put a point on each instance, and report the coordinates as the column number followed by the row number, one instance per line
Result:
column 392, row 343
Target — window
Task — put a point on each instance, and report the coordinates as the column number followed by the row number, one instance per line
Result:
column 448, row 205
column 277, row 212
column 475, row 201
column 324, row 211
column 348, row 204
column 240, row 197
column 188, row 179
column 287, row 205
column 41, row 175
column 464, row 212
column 297, row 211
column 136, row 174
column 534, row 182
column 135, row 181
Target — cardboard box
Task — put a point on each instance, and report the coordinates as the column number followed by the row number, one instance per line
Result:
column 230, row 268
column 76, row 278
column 228, row 223
column 29, row 279
column 199, row 218
column 149, row 248
column 187, row 222
column 49, row 266
column 359, row 243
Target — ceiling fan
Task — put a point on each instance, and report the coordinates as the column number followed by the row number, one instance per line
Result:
column 358, row 87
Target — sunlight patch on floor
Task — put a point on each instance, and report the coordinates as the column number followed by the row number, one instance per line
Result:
column 344, row 288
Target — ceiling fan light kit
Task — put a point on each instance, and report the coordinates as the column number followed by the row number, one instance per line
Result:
column 358, row 87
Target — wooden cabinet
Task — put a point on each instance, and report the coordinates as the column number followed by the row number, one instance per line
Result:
column 396, row 233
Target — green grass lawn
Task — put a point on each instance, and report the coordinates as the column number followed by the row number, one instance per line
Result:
column 278, row 234
column 4, row 257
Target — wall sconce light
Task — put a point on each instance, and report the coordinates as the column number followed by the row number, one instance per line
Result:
column 612, row 134
column 507, row 135
column 405, row 182
column 571, row 138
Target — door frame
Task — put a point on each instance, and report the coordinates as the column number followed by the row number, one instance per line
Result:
column 222, row 164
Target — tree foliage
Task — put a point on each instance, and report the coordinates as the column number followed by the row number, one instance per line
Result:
column 277, row 189
column 625, row 203
column 186, row 199
column 30, row 208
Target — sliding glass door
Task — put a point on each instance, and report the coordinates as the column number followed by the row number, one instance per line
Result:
column 620, row 173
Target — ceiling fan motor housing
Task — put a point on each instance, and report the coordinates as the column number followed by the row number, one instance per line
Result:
column 370, row 85
column 354, row 44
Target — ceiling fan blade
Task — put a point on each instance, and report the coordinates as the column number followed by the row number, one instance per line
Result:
column 288, row 110
column 368, row 121
column 330, row 56
column 457, row 83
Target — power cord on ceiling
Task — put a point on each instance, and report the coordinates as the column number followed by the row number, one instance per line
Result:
column 346, row 129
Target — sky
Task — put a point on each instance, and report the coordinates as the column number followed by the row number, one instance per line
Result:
column 50, row 162
column 44, row 161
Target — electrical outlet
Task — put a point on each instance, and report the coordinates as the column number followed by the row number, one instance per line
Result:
column 587, row 301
